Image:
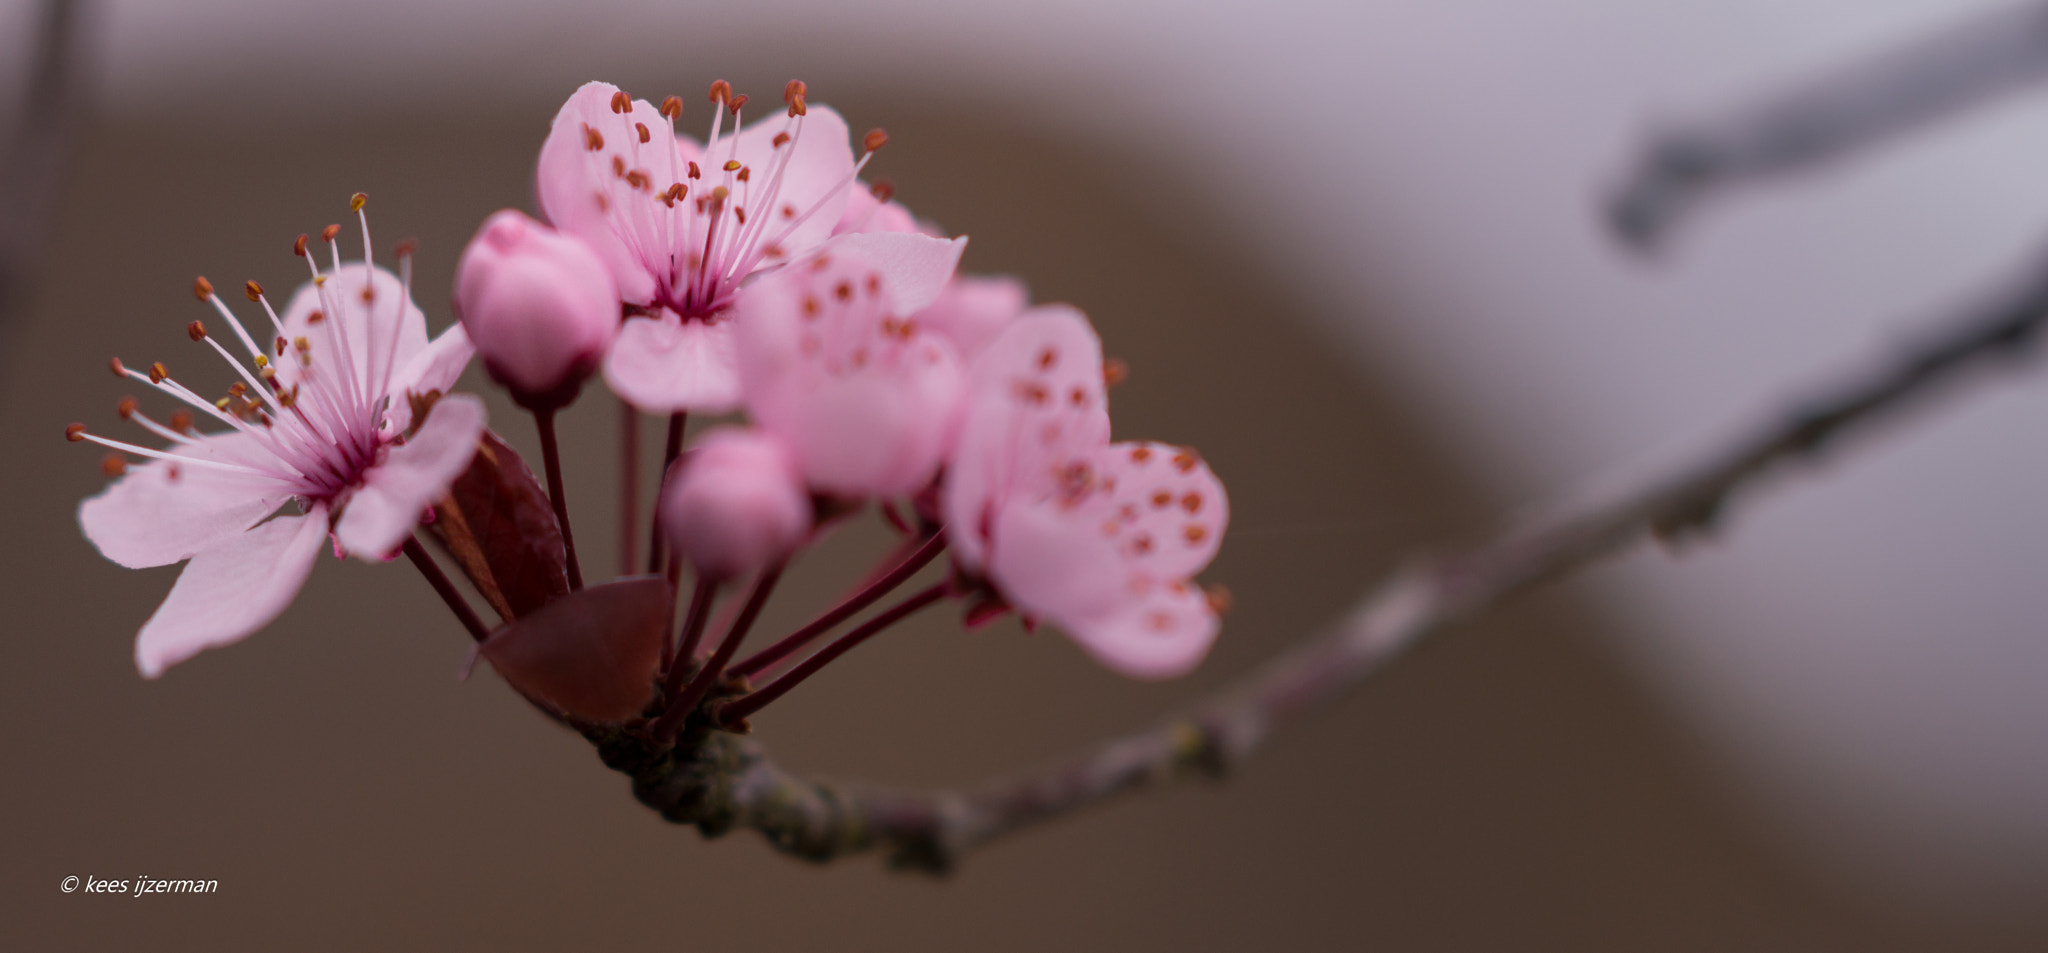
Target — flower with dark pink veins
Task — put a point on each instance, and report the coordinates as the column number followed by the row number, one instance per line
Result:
column 343, row 414
column 683, row 226
column 1101, row 539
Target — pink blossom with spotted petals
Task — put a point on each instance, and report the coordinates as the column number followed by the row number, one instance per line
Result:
column 865, row 399
column 684, row 226
column 1102, row 540
column 324, row 418
column 540, row 306
column 735, row 504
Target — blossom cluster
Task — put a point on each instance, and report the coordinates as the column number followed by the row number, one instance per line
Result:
column 754, row 276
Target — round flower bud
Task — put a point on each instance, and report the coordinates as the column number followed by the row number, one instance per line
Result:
column 539, row 305
column 735, row 504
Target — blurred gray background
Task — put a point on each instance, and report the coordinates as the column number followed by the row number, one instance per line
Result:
column 1350, row 251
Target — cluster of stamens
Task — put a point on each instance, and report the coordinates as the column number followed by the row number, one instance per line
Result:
column 316, row 433
column 703, row 233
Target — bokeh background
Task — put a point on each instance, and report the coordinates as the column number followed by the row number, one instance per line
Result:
column 1351, row 252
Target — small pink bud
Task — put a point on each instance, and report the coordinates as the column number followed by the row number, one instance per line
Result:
column 736, row 503
column 539, row 305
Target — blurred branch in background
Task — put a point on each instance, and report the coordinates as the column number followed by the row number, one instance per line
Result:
column 721, row 782
column 1832, row 117
column 38, row 153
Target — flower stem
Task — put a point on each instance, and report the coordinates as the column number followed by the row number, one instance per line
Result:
column 669, row 453
column 629, row 484
column 739, row 708
column 679, row 709
column 551, row 456
column 760, row 661
column 693, row 630
column 674, row 573
column 449, row 594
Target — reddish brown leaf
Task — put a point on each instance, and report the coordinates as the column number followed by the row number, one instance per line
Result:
column 499, row 525
column 591, row 653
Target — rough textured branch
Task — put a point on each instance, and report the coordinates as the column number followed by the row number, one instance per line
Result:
column 721, row 782
column 1834, row 116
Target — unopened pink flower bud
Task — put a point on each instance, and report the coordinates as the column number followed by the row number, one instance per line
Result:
column 736, row 503
column 540, row 306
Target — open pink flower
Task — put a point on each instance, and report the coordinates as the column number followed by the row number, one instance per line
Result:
column 866, row 400
column 682, row 226
column 325, row 417
column 1100, row 539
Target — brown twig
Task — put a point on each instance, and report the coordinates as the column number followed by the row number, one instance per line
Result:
column 720, row 782
column 1840, row 113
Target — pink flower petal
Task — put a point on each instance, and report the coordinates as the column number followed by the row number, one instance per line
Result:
column 1169, row 510
column 231, row 590
column 365, row 329
column 663, row 365
column 865, row 213
column 1038, row 404
column 1070, row 566
column 1055, row 562
column 973, row 309
column 1164, row 633
column 819, row 173
column 881, row 433
column 914, row 267
column 582, row 194
column 386, row 507
column 161, row 512
column 435, row 368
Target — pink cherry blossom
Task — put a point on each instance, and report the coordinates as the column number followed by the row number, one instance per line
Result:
column 539, row 305
column 682, row 226
column 735, row 503
column 323, row 417
column 1100, row 539
column 865, row 399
